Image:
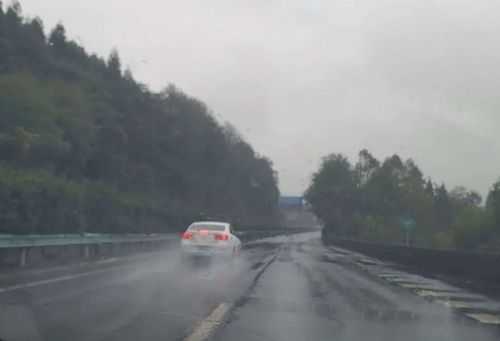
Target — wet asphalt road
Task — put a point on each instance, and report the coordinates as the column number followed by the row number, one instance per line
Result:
column 282, row 288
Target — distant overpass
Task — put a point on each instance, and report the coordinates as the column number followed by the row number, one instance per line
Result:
column 295, row 212
column 291, row 202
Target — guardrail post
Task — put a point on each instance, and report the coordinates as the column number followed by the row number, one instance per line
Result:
column 86, row 251
column 23, row 257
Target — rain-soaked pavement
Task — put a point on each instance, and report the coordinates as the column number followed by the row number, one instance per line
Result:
column 310, row 292
column 282, row 288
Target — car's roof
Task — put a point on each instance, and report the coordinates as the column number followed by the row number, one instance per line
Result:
column 210, row 223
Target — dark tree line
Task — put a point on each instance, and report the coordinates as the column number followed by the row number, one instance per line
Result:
column 370, row 200
column 85, row 147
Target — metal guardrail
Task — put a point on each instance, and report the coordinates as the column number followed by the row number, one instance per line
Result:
column 38, row 240
column 21, row 250
column 22, row 241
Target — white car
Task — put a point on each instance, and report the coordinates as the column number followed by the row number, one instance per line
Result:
column 210, row 238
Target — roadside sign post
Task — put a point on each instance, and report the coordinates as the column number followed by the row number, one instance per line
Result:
column 407, row 224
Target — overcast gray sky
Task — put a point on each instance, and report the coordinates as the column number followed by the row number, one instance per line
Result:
column 301, row 79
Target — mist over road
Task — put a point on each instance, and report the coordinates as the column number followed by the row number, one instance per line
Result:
column 282, row 288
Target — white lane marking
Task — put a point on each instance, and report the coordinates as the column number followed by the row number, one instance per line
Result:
column 455, row 304
column 395, row 279
column 485, row 318
column 415, row 286
column 206, row 327
column 59, row 268
column 55, row 280
column 107, row 260
column 367, row 261
column 402, row 280
column 388, row 275
column 109, row 283
column 42, row 271
column 449, row 295
column 430, row 293
column 82, row 264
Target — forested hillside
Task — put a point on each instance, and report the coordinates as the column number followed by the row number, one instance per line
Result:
column 85, row 147
column 372, row 200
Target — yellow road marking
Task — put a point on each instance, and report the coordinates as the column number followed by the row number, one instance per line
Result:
column 206, row 327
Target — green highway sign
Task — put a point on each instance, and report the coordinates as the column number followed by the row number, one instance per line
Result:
column 408, row 224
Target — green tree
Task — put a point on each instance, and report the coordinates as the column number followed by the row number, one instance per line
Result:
column 57, row 38
column 429, row 188
column 366, row 166
column 370, row 200
column 85, row 146
column 443, row 208
column 14, row 15
column 114, row 64
column 462, row 197
column 333, row 193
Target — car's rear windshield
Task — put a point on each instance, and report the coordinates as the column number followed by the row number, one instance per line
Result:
column 209, row 227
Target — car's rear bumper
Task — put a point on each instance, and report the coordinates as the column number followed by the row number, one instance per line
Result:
column 205, row 251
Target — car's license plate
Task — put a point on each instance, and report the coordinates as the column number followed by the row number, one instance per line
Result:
column 203, row 238
column 204, row 248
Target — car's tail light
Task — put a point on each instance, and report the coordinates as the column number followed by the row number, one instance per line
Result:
column 220, row 236
column 187, row 235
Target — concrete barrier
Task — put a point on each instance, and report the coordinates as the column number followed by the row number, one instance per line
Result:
column 461, row 264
